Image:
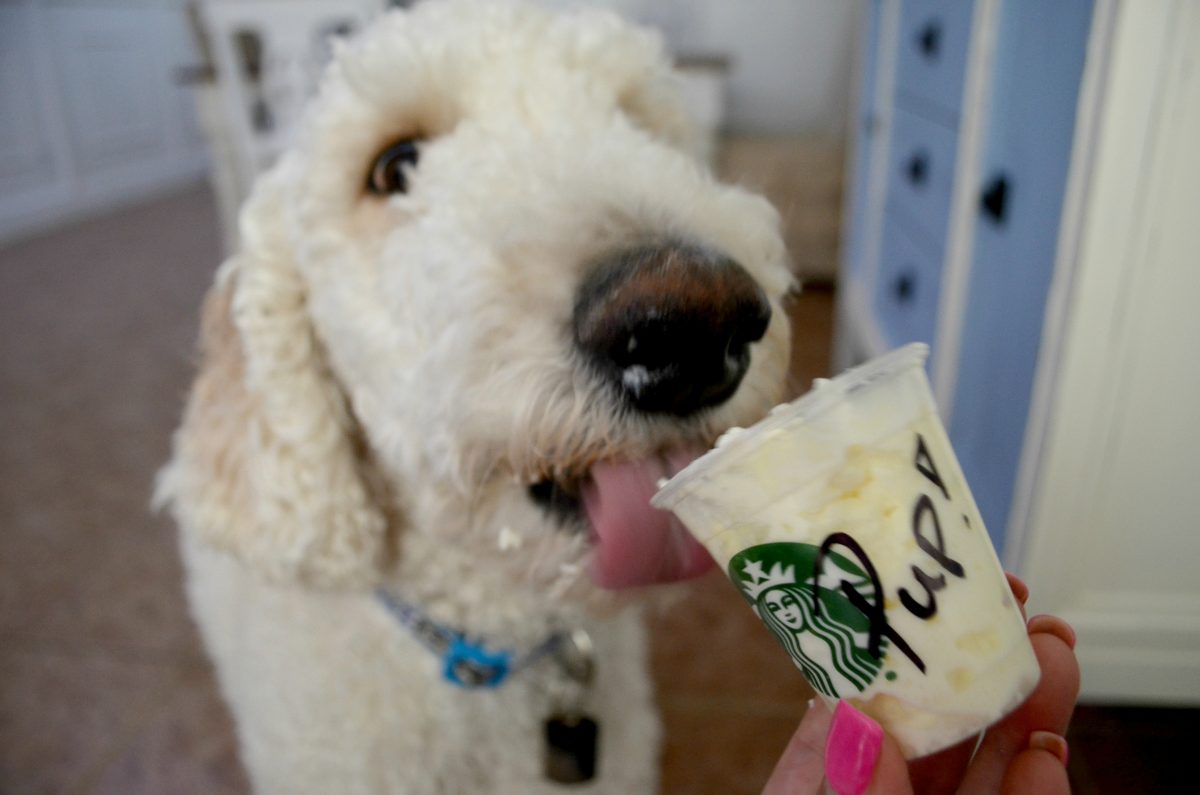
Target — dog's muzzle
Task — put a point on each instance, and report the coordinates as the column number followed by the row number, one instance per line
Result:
column 670, row 325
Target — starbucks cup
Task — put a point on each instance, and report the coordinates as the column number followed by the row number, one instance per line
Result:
column 846, row 523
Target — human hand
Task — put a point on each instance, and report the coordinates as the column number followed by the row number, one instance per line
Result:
column 1024, row 754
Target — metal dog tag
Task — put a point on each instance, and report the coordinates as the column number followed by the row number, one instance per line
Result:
column 571, row 749
column 571, row 736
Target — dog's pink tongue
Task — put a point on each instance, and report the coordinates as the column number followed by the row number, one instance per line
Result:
column 639, row 544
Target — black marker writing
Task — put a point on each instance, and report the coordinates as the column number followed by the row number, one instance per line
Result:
column 879, row 627
column 927, row 532
column 923, row 461
column 935, row 547
column 931, row 585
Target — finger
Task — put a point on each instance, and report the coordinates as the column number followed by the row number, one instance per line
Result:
column 1047, row 709
column 1041, row 769
column 1052, row 625
column 941, row 773
column 802, row 767
column 860, row 758
column 891, row 772
column 1019, row 590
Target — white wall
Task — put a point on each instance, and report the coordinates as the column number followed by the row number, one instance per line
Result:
column 791, row 59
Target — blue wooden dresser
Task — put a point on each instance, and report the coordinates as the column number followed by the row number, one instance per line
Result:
column 963, row 140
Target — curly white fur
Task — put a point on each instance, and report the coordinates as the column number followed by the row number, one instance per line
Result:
column 383, row 377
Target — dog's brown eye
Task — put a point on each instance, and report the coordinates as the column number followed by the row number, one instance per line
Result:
column 388, row 171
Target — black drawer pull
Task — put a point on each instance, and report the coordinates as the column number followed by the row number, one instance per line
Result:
column 994, row 201
column 905, row 286
column 929, row 39
column 918, row 167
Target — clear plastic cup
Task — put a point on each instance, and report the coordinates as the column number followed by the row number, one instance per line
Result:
column 846, row 523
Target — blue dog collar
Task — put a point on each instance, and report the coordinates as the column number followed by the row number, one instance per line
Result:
column 469, row 664
column 466, row 663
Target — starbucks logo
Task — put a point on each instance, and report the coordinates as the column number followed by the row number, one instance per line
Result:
column 826, row 635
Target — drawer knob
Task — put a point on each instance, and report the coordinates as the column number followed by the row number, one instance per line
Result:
column 929, row 39
column 905, row 286
column 918, row 168
column 994, row 201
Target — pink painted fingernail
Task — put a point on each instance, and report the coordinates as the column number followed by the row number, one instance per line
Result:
column 851, row 750
column 1054, row 743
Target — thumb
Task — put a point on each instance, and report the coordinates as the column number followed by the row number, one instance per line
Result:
column 801, row 768
column 860, row 759
column 1041, row 769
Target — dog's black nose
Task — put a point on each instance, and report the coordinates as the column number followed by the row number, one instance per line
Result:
column 670, row 325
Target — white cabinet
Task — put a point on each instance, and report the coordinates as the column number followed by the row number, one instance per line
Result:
column 1111, row 540
column 1018, row 177
column 90, row 111
column 108, row 78
column 24, row 147
column 31, row 149
column 267, row 58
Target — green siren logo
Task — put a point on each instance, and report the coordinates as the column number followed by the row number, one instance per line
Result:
column 827, row 636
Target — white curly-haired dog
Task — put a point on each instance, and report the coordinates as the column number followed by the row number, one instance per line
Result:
column 487, row 299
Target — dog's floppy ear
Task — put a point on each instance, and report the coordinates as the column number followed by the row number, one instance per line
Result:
column 269, row 463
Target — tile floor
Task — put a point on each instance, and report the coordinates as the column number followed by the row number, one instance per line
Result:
column 103, row 685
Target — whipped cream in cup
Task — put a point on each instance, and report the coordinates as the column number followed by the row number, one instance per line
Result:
column 846, row 523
